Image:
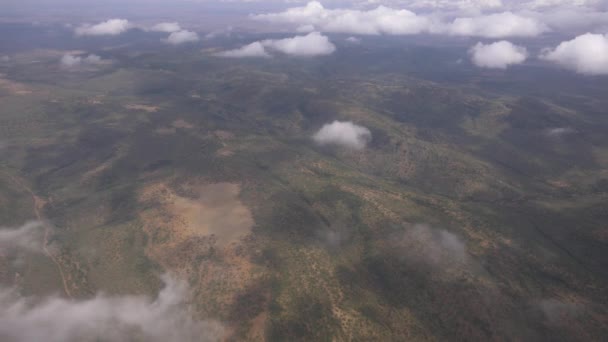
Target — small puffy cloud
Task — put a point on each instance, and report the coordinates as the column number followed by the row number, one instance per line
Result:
column 166, row 27
column 110, row 27
column 497, row 55
column 586, row 54
column 255, row 49
column 312, row 44
column 353, row 40
column 497, row 25
column 343, row 133
column 70, row 61
column 108, row 318
column 28, row 237
column 181, row 37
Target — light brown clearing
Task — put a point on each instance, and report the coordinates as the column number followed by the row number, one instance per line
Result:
column 145, row 108
column 202, row 237
column 181, row 123
column 13, row 87
column 215, row 211
column 177, row 124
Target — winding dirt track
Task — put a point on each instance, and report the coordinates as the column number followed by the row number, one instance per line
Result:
column 39, row 204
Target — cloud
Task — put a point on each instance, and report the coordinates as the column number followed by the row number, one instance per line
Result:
column 432, row 247
column 111, row 318
column 456, row 4
column 166, row 27
column 385, row 20
column 70, row 61
column 382, row 20
column 498, row 55
column 559, row 131
column 225, row 32
column 181, row 37
column 586, row 54
column 343, row 133
column 255, row 49
column 353, row 40
column 29, row 237
column 497, row 25
column 557, row 311
column 110, row 27
column 312, row 44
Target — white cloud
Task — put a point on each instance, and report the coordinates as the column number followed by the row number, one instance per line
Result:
column 181, row 37
column 110, row 318
column 70, row 61
column 385, row 20
column 28, row 237
column 559, row 131
column 497, row 25
column 345, row 134
column 110, row 27
column 382, row 20
column 353, row 40
column 166, row 27
column 498, row 55
column 586, row 54
column 312, row 44
column 255, row 49
column 537, row 4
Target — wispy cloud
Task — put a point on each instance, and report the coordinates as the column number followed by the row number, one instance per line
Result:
column 167, row 27
column 109, row 318
column 310, row 45
column 255, row 49
column 28, row 237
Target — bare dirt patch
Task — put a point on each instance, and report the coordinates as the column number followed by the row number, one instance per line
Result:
column 214, row 211
column 13, row 87
column 142, row 107
column 181, row 123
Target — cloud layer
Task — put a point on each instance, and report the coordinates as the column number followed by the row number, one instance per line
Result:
column 585, row 54
column 110, row 318
column 497, row 55
column 343, row 133
column 385, row 20
column 110, row 27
